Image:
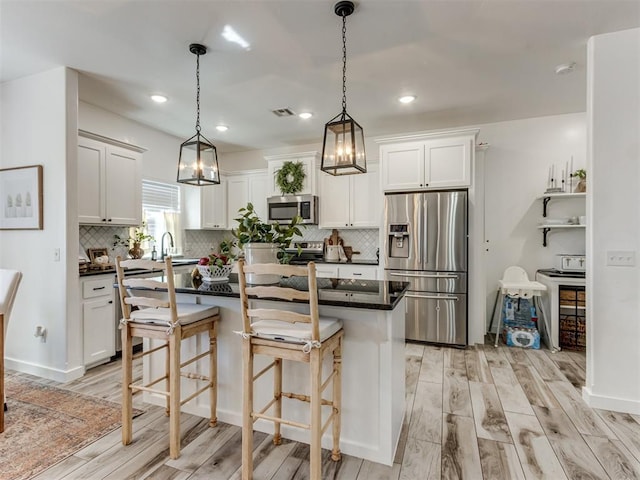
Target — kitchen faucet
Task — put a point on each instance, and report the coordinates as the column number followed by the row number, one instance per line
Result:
column 163, row 252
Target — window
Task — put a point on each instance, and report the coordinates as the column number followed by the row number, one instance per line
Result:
column 161, row 211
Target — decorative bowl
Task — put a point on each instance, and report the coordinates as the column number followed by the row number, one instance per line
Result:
column 215, row 274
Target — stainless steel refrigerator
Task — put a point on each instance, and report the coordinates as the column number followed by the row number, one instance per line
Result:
column 425, row 244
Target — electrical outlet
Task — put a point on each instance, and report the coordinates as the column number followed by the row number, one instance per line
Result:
column 621, row 258
column 56, row 254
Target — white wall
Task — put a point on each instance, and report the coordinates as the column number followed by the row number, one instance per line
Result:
column 39, row 128
column 613, row 301
column 515, row 173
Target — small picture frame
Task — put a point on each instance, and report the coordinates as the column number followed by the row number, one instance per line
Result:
column 21, row 198
column 96, row 252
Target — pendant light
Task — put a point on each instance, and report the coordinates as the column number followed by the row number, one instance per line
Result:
column 343, row 146
column 198, row 162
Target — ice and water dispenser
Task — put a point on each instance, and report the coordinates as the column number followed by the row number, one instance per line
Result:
column 398, row 240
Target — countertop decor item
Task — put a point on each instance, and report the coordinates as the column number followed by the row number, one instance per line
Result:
column 136, row 236
column 198, row 162
column 581, row 186
column 343, row 145
column 264, row 242
column 290, row 177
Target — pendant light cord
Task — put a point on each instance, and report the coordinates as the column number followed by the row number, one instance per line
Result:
column 198, row 93
column 344, row 64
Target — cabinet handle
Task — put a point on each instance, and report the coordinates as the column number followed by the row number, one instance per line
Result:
column 99, row 288
column 109, row 220
column 104, row 219
column 356, row 274
column 110, row 301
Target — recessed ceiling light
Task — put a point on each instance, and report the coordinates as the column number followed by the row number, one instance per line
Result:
column 407, row 99
column 222, row 128
column 565, row 68
column 230, row 35
column 305, row 115
column 158, row 98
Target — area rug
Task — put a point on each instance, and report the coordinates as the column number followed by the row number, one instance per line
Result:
column 45, row 425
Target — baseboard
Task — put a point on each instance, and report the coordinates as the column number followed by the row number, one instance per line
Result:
column 610, row 403
column 43, row 371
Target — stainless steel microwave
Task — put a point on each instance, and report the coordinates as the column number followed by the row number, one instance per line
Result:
column 283, row 209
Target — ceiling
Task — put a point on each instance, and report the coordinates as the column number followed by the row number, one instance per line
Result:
column 468, row 61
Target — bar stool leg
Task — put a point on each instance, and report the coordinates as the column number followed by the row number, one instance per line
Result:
column 499, row 308
column 337, row 401
column 174, row 393
column 315, row 366
column 247, row 410
column 277, row 394
column 213, row 374
column 127, row 379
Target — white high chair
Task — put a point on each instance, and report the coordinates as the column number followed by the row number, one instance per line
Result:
column 9, row 281
column 515, row 283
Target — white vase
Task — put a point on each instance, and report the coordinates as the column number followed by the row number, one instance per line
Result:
column 261, row 253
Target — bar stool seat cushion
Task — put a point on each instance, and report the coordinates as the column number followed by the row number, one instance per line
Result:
column 187, row 313
column 295, row 332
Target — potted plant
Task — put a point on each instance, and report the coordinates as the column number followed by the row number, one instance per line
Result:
column 263, row 242
column 133, row 241
column 581, row 186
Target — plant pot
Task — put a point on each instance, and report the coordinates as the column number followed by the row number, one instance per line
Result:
column 136, row 251
column 581, row 186
column 261, row 253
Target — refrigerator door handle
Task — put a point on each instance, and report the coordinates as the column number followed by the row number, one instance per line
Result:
column 426, row 275
column 432, row 297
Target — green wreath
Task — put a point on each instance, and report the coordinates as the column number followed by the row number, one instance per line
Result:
column 290, row 177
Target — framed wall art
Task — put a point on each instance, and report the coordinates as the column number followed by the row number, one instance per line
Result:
column 21, row 198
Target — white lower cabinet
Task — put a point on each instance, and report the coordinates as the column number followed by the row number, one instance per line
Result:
column 362, row 272
column 98, row 325
column 335, row 270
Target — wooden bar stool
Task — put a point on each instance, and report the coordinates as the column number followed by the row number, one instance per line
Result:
column 171, row 322
column 287, row 335
column 9, row 282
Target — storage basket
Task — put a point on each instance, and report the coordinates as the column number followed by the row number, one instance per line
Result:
column 215, row 274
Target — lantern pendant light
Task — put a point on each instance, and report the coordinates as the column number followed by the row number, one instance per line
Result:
column 198, row 161
column 343, row 146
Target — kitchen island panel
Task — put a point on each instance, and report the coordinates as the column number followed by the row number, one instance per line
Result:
column 373, row 386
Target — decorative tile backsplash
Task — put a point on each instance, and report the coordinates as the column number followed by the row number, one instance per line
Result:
column 198, row 243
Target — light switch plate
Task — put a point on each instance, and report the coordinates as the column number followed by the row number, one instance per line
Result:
column 621, row 258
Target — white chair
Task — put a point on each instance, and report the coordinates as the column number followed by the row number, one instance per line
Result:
column 287, row 335
column 515, row 283
column 171, row 322
column 9, row 281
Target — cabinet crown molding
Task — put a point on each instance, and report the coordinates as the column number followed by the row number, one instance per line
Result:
column 111, row 141
column 287, row 156
column 426, row 135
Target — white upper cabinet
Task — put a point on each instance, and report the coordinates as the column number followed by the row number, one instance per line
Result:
column 109, row 181
column 430, row 161
column 350, row 201
column 206, row 207
column 310, row 165
column 244, row 188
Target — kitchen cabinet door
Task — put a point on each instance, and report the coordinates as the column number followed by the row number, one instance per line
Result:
column 402, row 166
column 448, row 162
column 334, row 194
column 237, row 196
column 258, row 193
column 366, row 199
column 123, row 190
column 214, row 206
column 98, row 319
column 91, row 158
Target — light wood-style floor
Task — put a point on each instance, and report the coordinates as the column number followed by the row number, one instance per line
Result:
column 480, row 413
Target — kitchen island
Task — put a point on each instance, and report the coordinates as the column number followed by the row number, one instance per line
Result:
column 373, row 376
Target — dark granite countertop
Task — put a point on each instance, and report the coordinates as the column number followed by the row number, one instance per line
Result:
column 352, row 293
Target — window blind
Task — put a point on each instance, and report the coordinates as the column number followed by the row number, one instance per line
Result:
column 160, row 197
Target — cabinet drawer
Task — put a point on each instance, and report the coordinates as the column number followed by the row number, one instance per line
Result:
column 358, row 272
column 326, row 271
column 98, row 287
